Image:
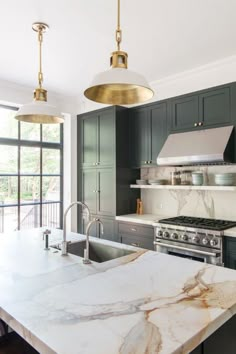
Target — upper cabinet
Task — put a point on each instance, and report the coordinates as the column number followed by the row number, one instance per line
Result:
column 148, row 132
column 97, row 139
column 206, row 109
column 184, row 113
column 214, row 107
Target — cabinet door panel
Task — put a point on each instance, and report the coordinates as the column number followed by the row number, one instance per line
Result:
column 215, row 107
column 230, row 252
column 140, row 140
column 106, row 192
column 137, row 241
column 89, row 189
column 89, row 141
column 184, row 113
column 158, row 117
column 106, row 136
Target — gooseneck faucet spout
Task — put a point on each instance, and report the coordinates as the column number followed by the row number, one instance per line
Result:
column 64, row 242
column 86, row 259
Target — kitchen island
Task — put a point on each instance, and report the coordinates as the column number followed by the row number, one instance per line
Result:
column 145, row 302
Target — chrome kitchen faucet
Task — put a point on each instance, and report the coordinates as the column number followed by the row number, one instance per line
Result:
column 64, row 242
column 86, row 259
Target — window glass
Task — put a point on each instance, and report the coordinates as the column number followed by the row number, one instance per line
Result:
column 8, row 190
column 51, row 133
column 8, row 159
column 29, row 131
column 30, row 160
column 8, row 219
column 29, row 189
column 8, row 125
column 29, row 216
column 51, row 215
column 51, row 188
column 51, row 161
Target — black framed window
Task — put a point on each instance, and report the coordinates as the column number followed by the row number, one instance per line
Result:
column 31, row 173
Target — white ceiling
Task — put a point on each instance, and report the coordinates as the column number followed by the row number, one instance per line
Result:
column 162, row 37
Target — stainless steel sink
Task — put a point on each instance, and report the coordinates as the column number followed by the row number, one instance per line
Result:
column 97, row 251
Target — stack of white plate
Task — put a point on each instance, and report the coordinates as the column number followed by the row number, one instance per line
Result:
column 141, row 181
column 224, row 179
column 157, row 181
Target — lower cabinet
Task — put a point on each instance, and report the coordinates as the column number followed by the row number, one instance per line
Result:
column 109, row 227
column 222, row 341
column 136, row 235
column 229, row 252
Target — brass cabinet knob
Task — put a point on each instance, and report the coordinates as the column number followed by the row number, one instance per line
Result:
column 200, row 124
column 145, row 162
column 195, row 124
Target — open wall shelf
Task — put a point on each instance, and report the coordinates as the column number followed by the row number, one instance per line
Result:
column 187, row 187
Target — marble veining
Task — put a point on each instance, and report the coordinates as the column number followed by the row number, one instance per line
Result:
column 213, row 204
column 145, row 302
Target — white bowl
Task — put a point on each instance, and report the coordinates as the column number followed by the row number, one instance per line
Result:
column 141, row 181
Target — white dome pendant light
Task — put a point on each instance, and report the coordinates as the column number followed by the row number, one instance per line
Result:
column 39, row 111
column 118, row 85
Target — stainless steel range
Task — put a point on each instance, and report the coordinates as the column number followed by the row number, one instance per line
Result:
column 190, row 237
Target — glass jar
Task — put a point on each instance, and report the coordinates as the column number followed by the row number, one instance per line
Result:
column 186, row 177
column 175, row 178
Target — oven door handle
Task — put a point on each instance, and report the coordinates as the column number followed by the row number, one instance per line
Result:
column 212, row 254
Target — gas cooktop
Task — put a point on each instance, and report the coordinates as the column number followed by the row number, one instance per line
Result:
column 201, row 223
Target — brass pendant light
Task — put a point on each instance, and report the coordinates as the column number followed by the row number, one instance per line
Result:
column 118, row 85
column 39, row 111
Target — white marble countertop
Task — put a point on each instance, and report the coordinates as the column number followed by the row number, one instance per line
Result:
column 146, row 219
column 152, row 219
column 146, row 302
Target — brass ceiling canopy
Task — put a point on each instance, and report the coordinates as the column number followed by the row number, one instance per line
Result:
column 118, row 85
column 39, row 111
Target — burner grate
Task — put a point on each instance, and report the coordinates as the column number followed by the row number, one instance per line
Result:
column 202, row 223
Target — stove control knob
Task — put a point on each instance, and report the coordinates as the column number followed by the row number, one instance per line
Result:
column 213, row 242
column 166, row 234
column 205, row 241
column 184, row 237
column 160, row 233
column 175, row 236
column 195, row 239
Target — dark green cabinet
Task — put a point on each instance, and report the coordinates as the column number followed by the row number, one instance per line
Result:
column 206, row 109
column 136, row 235
column 184, row 113
column 89, row 189
column 104, row 173
column 148, row 132
column 97, row 139
column 105, row 191
column 140, row 149
column 229, row 252
column 214, row 107
column 98, row 190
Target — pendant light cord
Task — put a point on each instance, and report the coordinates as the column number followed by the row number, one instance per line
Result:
column 118, row 31
column 40, row 40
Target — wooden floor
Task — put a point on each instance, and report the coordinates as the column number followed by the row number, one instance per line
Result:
column 14, row 344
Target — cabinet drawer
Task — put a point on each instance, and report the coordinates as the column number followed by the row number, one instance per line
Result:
column 136, row 229
column 137, row 241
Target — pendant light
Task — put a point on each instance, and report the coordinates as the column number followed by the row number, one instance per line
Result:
column 39, row 111
column 119, row 85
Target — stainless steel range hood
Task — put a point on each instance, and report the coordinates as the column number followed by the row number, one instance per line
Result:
column 198, row 147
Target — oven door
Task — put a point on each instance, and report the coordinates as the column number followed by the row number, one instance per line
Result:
column 205, row 255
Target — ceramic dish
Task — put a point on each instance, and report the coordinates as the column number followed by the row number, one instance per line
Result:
column 141, row 181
